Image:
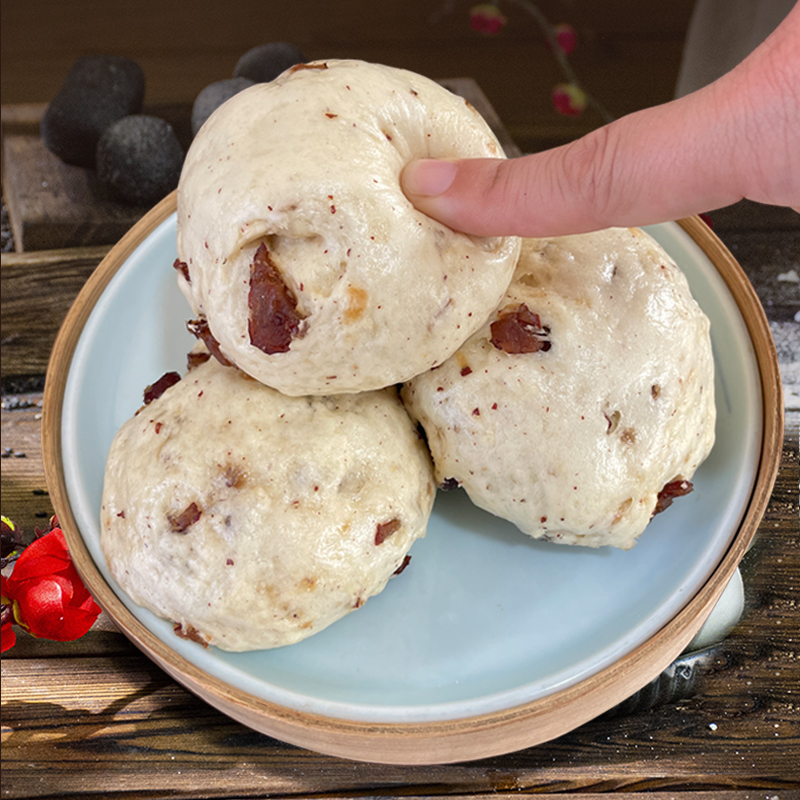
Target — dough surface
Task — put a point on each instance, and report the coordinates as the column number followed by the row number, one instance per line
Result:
column 573, row 442
column 253, row 520
column 361, row 290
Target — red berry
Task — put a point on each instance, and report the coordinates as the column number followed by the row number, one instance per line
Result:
column 487, row 19
column 569, row 99
column 566, row 37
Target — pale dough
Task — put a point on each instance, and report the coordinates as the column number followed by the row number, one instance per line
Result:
column 309, row 166
column 253, row 520
column 573, row 443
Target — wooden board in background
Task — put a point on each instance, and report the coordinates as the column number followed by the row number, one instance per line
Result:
column 53, row 205
column 628, row 54
column 37, row 290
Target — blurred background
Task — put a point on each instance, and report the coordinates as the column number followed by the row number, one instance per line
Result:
column 627, row 52
column 543, row 73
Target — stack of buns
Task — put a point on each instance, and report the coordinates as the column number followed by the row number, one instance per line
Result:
column 353, row 354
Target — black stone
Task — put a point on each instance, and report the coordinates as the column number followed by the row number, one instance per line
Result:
column 139, row 159
column 97, row 91
column 265, row 62
column 213, row 96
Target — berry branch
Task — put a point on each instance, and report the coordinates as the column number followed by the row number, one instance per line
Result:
column 570, row 98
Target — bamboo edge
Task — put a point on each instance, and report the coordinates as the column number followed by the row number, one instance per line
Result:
column 766, row 355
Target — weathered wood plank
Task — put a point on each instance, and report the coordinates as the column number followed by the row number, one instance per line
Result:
column 36, row 291
column 773, row 265
column 123, row 722
column 52, row 204
column 25, row 497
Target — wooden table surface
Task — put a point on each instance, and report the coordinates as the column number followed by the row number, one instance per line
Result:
column 95, row 717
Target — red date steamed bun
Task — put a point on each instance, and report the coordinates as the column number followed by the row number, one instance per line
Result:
column 298, row 250
column 587, row 400
column 252, row 519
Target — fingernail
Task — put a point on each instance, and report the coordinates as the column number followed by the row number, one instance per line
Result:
column 428, row 177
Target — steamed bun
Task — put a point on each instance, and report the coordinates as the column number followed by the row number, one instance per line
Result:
column 253, row 520
column 586, row 402
column 305, row 264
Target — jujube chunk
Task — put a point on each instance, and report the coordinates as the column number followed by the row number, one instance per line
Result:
column 274, row 319
column 385, row 529
column 519, row 330
column 183, row 521
column 670, row 491
column 199, row 328
column 155, row 390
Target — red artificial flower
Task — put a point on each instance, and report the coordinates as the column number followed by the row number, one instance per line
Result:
column 569, row 99
column 566, row 37
column 487, row 19
column 46, row 593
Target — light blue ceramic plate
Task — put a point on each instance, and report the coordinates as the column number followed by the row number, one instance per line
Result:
column 484, row 618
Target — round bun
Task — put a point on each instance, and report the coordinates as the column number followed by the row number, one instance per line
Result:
column 305, row 263
column 587, row 400
column 253, row 520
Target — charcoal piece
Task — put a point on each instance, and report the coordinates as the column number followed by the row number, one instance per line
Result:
column 139, row 159
column 265, row 62
column 97, row 91
column 213, row 96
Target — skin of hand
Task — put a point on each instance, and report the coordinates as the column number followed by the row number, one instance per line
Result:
column 738, row 137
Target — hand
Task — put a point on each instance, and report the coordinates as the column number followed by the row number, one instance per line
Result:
column 737, row 138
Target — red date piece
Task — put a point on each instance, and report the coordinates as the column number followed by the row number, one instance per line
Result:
column 274, row 319
column 183, row 268
column 189, row 632
column 298, row 67
column 185, row 519
column 155, row 390
column 402, row 566
column 519, row 330
column 199, row 328
column 195, row 359
column 385, row 529
column 670, row 492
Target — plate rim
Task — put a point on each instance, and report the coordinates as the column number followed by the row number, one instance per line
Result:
column 434, row 741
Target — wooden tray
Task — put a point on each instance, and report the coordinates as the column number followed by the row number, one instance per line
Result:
column 435, row 741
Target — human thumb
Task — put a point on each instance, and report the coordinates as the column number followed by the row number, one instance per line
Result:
column 651, row 166
column 738, row 137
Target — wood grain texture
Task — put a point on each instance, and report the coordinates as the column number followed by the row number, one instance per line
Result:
column 75, row 721
column 97, row 718
column 52, row 204
column 123, row 719
column 36, row 291
column 121, row 726
column 434, row 742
